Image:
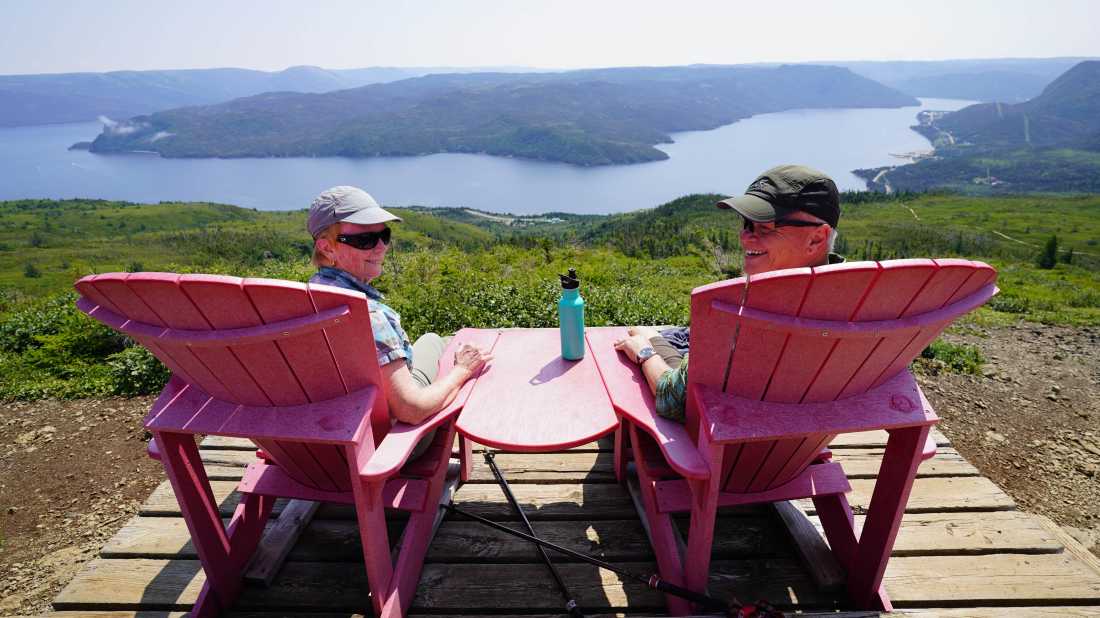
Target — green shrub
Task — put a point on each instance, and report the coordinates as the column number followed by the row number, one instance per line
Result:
column 135, row 371
column 1048, row 257
column 944, row 356
column 1007, row 303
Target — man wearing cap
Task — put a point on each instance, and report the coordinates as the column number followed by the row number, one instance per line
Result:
column 350, row 241
column 789, row 217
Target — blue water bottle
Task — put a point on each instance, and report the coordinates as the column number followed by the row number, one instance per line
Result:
column 571, row 317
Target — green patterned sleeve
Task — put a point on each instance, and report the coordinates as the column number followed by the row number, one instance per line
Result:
column 672, row 392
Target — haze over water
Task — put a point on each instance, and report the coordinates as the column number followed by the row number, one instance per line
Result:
column 35, row 163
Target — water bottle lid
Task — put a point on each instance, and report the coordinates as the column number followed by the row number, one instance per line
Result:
column 570, row 282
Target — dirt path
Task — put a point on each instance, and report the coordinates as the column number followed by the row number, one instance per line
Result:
column 72, row 473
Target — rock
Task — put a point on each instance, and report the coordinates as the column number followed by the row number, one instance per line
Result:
column 993, row 436
column 989, row 372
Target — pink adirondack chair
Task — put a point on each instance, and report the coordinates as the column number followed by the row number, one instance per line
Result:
column 781, row 363
column 292, row 367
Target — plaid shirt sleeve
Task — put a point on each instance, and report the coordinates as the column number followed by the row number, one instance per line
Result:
column 672, row 392
column 390, row 341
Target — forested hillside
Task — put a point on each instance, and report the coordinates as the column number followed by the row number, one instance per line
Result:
column 589, row 117
column 1050, row 143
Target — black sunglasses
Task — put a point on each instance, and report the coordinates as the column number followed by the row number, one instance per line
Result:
column 749, row 223
column 366, row 240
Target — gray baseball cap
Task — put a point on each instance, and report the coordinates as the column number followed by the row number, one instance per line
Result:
column 786, row 189
column 345, row 204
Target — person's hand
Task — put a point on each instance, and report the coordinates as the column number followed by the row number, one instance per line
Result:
column 471, row 359
column 645, row 331
column 632, row 345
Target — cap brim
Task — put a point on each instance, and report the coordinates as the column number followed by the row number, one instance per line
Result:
column 370, row 216
column 751, row 207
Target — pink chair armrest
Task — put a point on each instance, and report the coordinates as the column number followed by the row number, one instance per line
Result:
column 633, row 400
column 895, row 404
column 399, row 443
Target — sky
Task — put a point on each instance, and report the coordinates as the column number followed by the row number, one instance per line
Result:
column 54, row 36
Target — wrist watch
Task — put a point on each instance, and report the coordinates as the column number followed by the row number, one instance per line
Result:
column 645, row 354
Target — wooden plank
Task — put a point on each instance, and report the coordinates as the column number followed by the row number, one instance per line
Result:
column 877, row 439
column 1047, row 579
column 964, row 493
column 462, row 541
column 569, row 467
column 615, row 540
column 597, row 467
column 609, row 501
column 863, row 463
column 223, row 442
column 817, row 558
column 305, row 586
column 133, row 584
column 1073, row 546
column 277, row 541
column 971, row 533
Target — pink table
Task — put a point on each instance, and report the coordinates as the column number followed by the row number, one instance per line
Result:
column 531, row 400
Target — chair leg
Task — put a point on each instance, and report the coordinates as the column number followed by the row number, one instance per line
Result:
column 465, row 457
column 899, row 466
column 662, row 537
column 418, row 535
column 180, row 456
column 374, row 538
column 621, row 450
column 704, row 510
column 839, row 524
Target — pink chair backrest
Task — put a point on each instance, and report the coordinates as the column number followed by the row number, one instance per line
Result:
column 252, row 342
column 819, row 334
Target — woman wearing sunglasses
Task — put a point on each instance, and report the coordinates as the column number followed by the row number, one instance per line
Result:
column 350, row 241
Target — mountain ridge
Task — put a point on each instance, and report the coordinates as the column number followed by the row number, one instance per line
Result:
column 586, row 117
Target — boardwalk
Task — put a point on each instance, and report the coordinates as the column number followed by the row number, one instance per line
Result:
column 963, row 549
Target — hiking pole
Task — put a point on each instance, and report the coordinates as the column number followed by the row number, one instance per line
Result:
column 570, row 603
column 732, row 608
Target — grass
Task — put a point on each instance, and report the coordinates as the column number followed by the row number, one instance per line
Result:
column 452, row 271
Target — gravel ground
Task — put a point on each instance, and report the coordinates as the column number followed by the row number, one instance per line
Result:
column 73, row 472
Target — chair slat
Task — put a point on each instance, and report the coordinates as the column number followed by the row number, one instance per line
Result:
column 949, row 279
column 834, row 294
column 162, row 290
column 757, row 351
column 931, row 294
column 711, row 335
column 898, row 283
column 307, row 355
column 177, row 358
column 225, row 304
column 355, row 359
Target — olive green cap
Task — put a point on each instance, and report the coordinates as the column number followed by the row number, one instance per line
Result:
column 783, row 190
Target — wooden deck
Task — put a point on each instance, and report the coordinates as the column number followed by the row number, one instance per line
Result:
column 964, row 550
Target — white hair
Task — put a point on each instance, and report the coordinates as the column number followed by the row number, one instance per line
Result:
column 832, row 238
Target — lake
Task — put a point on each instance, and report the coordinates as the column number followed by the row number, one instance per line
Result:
column 35, row 163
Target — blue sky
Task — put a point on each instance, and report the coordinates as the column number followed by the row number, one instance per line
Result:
column 49, row 36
